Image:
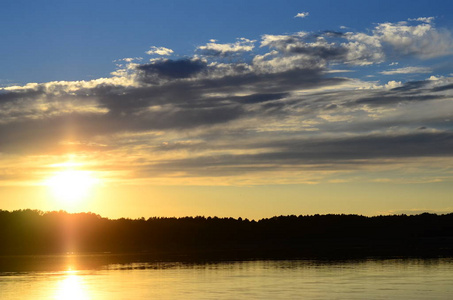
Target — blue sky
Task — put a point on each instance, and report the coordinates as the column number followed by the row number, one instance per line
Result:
column 220, row 107
column 79, row 40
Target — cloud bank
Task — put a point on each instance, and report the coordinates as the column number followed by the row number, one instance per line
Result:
column 276, row 110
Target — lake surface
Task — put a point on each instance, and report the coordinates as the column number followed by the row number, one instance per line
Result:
column 97, row 277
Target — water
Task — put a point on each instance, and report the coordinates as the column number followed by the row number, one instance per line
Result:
column 75, row 277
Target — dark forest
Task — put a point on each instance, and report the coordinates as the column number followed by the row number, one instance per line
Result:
column 36, row 232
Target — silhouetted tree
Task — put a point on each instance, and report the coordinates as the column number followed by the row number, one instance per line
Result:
column 32, row 231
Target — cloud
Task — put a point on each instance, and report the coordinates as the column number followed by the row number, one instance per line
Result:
column 281, row 113
column 300, row 44
column 302, row 15
column 386, row 41
column 423, row 19
column 129, row 59
column 422, row 40
column 393, row 84
column 159, row 51
column 215, row 49
column 407, row 70
column 171, row 69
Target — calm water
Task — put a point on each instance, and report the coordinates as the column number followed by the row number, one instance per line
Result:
column 75, row 277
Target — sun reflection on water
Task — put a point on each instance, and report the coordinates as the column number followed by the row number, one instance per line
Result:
column 71, row 287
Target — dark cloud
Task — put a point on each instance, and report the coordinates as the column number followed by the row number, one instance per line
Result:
column 173, row 105
column 39, row 136
column 47, row 135
column 395, row 99
column 333, row 33
column 342, row 153
column 443, row 88
column 171, row 69
column 182, row 105
column 411, row 85
column 323, row 52
column 259, row 98
column 26, row 94
column 285, row 81
column 374, row 146
column 312, row 45
column 192, row 94
column 361, row 147
column 215, row 53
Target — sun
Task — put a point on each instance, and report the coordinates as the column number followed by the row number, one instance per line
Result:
column 71, row 185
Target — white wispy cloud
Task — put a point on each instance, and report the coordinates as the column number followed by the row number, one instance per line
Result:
column 216, row 49
column 130, row 59
column 407, row 70
column 159, row 51
column 302, row 15
column 423, row 19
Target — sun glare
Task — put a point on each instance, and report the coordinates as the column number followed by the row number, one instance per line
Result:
column 71, row 185
column 71, row 287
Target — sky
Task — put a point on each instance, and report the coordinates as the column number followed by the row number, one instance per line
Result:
column 227, row 108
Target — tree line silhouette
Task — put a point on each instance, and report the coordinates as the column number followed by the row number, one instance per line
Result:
column 36, row 232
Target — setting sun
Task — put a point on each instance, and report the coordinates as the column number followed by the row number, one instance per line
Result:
column 71, row 185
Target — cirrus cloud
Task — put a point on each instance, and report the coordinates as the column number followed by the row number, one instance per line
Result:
column 407, row 70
